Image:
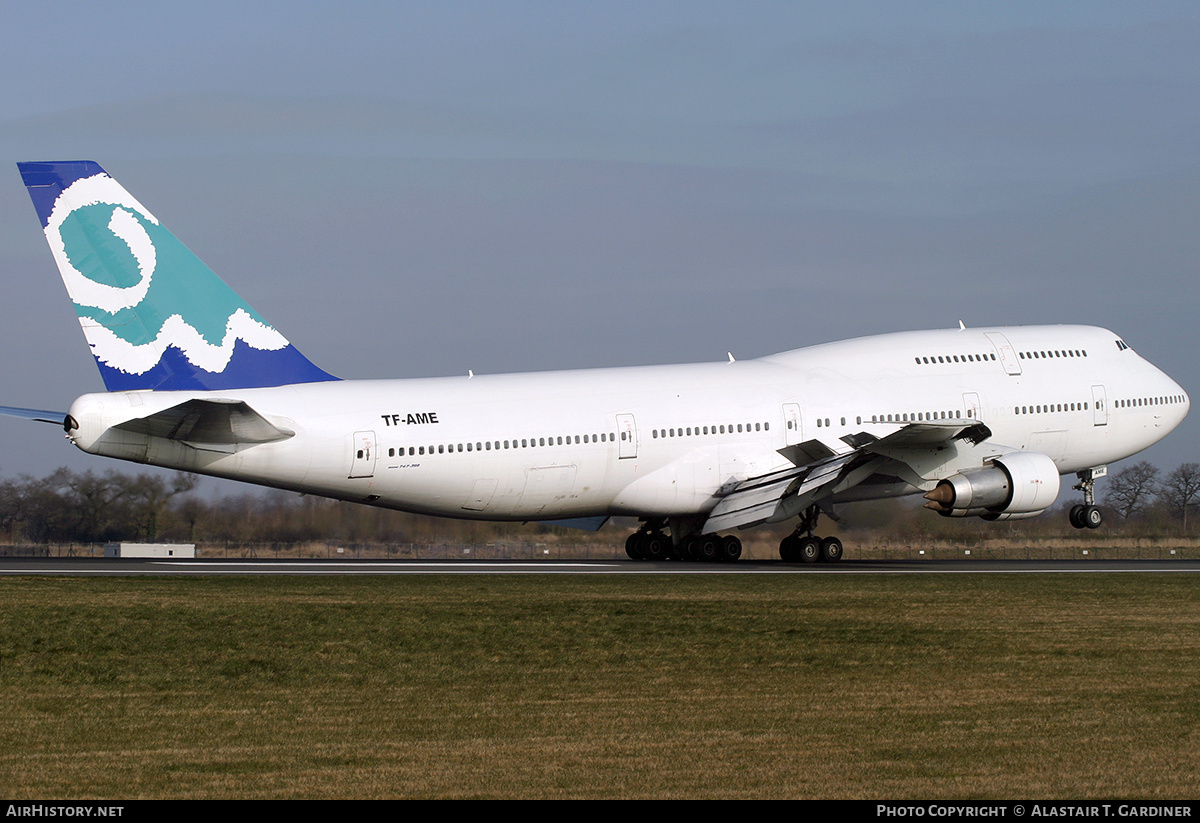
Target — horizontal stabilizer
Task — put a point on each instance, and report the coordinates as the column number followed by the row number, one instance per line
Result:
column 39, row 415
column 208, row 422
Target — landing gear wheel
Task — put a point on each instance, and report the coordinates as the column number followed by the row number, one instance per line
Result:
column 731, row 549
column 1087, row 515
column 1076, row 516
column 647, row 546
column 831, row 550
column 707, row 547
column 632, row 547
column 809, row 549
column 654, row 547
column 789, row 550
column 687, row 548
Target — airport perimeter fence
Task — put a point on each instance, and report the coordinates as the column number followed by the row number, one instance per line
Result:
column 856, row 548
column 508, row 550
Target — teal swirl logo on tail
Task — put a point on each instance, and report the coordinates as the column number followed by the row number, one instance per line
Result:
column 154, row 315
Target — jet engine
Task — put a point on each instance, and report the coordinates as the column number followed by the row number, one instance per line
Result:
column 1014, row 486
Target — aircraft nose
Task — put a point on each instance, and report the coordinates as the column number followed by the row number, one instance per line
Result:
column 1182, row 407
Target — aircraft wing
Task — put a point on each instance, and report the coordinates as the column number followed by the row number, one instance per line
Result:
column 821, row 465
column 754, row 500
column 211, row 422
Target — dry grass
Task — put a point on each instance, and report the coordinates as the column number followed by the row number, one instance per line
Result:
column 732, row 686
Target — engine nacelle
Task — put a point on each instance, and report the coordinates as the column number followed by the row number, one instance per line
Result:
column 1020, row 483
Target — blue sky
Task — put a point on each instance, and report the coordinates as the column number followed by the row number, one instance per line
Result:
column 410, row 189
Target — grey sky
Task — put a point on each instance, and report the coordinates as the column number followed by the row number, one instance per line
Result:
column 410, row 189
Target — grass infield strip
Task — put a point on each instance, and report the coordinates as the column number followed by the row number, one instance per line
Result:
column 933, row 687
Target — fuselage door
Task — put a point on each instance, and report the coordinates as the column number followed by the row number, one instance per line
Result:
column 971, row 406
column 627, row 444
column 792, row 431
column 1099, row 406
column 363, row 462
column 1007, row 354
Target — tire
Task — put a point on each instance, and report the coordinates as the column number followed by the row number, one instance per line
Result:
column 1091, row 517
column 654, row 547
column 689, row 548
column 706, row 548
column 809, row 550
column 633, row 547
column 731, row 549
column 788, row 550
column 1076, row 517
column 831, row 550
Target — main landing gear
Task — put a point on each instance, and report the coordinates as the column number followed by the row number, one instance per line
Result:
column 1088, row 515
column 803, row 546
column 651, row 543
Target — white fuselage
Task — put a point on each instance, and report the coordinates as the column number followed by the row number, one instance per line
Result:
column 663, row 440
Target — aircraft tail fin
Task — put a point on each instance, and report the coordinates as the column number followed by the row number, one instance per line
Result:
column 154, row 315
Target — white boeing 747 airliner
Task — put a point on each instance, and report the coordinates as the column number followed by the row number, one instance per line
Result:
column 982, row 421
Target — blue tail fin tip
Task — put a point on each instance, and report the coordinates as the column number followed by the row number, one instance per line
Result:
column 154, row 315
column 45, row 181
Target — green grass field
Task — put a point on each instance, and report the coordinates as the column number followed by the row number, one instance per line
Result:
column 937, row 686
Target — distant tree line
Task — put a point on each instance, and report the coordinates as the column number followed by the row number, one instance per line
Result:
column 89, row 507
column 70, row 507
column 1142, row 493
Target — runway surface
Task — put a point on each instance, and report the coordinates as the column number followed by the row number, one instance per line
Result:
column 99, row 567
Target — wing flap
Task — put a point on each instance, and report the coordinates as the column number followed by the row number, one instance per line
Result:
column 818, row 465
column 927, row 434
column 755, row 500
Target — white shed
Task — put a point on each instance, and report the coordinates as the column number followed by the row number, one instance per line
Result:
column 149, row 549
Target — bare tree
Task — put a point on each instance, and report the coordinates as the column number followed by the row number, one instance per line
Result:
column 1132, row 489
column 1181, row 488
column 147, row 498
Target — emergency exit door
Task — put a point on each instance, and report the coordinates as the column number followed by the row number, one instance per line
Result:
column 362, row 464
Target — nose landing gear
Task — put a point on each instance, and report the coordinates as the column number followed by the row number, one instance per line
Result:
column 1087, row 516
